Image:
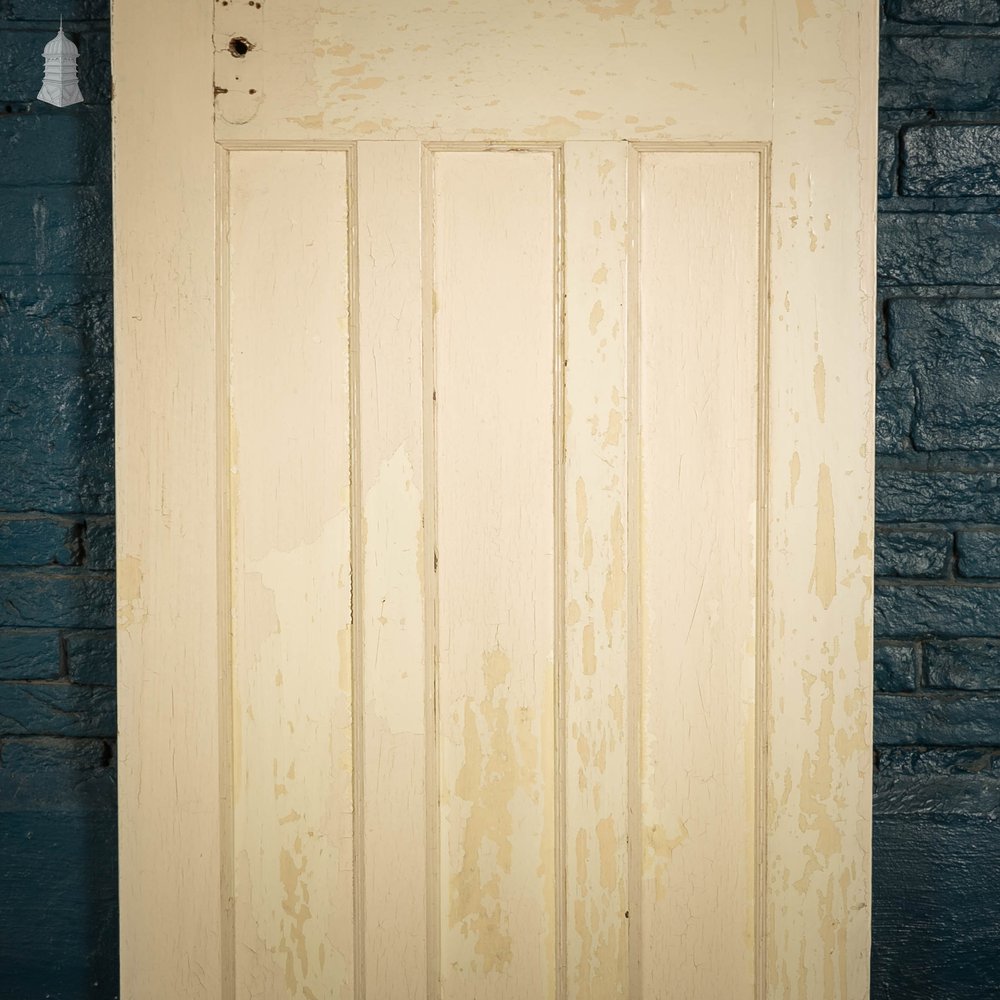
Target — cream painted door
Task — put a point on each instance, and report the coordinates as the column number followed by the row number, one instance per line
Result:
column 494, row 458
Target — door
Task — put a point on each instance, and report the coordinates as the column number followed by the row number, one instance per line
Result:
column 494, row 427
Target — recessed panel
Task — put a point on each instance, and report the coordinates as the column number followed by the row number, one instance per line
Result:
column 494, row 306
column 289, row 496
column 697, row 444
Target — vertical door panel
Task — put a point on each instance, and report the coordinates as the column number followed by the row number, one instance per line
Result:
column 493, row 252
column 292, row 771
column 697, row 440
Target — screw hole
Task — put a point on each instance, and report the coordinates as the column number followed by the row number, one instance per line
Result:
column 239, row 47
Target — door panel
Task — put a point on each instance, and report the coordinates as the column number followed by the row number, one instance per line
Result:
column 494, row 365
column 466, row 518
column 289, row 490
column 699, row 362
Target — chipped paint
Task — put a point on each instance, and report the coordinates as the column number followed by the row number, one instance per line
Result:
column 614, row 583
column 824, row 577
column 819, row 389
column 499, row 763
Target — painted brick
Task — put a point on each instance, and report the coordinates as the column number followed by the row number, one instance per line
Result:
column 36, row 708
column 41, row 598
column 935, row 839
column 895, row 667
column 40, row 541
column 912, row 553
column 939, row 249
column 953, row 160
column 938, row 782
column 58, row 892
column 946, row 73
column 959, row 720
column 29, row 655
column 55, row 229
column 52, row 10
column 937, row 496
column 34, row 147
column 978, row 553
column 58, row 870
column 950, row 348
column 57, row 433
column 941, row 611
column 56, row 775
column 963, row 665
column 944, row 11
column 90, row 657
column 21, row 64
column 933, row 893
column 99, row 545
column 887, row 141
column 57, row 314
column 895, row 402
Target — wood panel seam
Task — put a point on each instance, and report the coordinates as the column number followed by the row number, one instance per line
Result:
column 633, row 534
column 225, row 543
column 762, row 693
column 357, row 571
column 433, row 763
column 559, row 564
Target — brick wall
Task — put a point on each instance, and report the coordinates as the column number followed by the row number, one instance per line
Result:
column 937, row 553
column 58, row 915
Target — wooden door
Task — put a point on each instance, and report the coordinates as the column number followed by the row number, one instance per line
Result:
column 494, row 428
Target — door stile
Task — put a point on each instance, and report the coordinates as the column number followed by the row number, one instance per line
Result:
column 821, row 518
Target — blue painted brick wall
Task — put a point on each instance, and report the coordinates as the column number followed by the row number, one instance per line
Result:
column 58, row 911
column 937, row 555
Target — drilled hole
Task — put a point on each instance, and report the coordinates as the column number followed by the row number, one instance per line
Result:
column 239, row 47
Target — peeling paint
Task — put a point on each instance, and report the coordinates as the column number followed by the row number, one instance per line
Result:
column 819, row 389
column 824, row 578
